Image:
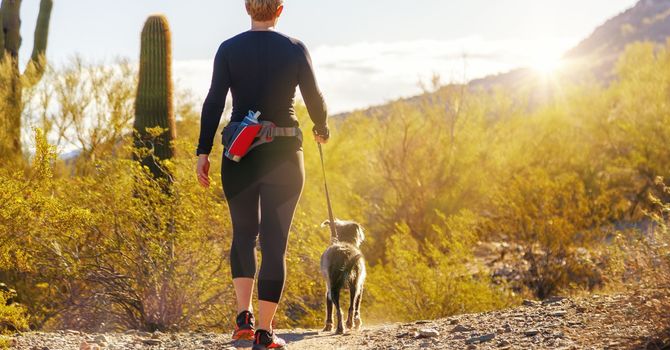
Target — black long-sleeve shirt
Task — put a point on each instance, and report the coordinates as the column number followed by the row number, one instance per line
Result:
column 262, row 70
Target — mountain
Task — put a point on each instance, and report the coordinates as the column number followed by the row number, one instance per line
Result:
column 594, row 57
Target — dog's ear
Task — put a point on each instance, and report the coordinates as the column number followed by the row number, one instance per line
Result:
column 361, row 232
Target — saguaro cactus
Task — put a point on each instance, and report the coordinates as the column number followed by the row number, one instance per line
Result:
column 10, row 43
column 154, row 104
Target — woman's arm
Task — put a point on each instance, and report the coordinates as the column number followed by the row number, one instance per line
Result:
column 214, row 103
column 316, row 106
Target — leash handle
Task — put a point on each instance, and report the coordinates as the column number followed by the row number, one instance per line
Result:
column 333, row 231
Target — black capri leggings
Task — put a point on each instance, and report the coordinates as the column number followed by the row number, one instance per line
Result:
column 262, row 191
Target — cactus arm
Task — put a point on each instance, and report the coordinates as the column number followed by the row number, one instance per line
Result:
column 12, row 25
column 2, row 36
column 37, row 63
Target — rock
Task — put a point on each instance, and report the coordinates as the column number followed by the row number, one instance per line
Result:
column 422, row 322
column 553, row 300
column 207, row 341
column 453, row 321
column 72, row 332
column 131, row 332
column 504, row 344
column 89, row 346
column 481, row 339
column 530, row 303
column 100, row 339
column 559, row 313
column 151, row 342
column 472, row 347
column 156, row 335
column 531, row 332
column 428, row 333
column 461, row 328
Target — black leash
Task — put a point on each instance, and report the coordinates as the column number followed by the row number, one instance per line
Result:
column 333, row 231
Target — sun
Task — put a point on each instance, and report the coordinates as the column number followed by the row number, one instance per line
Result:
column 546, row 64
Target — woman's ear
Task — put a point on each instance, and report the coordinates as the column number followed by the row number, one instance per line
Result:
column 280, row 9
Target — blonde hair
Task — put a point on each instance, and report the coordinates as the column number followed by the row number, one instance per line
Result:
column 263, row 10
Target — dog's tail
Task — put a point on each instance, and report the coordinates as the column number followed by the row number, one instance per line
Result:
column 340, row 274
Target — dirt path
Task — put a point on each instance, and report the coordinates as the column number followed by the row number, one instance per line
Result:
column 597, row 322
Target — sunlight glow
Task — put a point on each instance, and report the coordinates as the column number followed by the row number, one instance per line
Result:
column 546, row 64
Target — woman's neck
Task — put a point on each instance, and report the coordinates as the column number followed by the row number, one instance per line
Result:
column 263, row 26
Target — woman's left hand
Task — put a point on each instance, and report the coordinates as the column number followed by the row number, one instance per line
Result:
column 202, row 169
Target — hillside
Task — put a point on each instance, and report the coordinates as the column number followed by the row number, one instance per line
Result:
column 593, row 57
column 597, row 322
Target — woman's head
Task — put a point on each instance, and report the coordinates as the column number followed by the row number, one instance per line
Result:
column 264, row 10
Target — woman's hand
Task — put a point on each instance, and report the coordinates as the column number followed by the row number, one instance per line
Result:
column 321, row 139
column 321, row 133
column 202, row 169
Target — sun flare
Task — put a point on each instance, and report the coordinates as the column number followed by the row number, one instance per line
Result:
column 546, row 65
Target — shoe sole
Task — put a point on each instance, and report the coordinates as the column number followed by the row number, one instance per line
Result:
column 244, row 334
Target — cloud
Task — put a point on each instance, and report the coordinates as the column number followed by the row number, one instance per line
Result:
column 363, row 74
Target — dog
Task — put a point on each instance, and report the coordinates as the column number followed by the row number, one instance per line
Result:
column 343, row 265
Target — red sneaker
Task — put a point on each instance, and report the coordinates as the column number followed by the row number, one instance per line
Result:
column 244, row 326
column 264, row 340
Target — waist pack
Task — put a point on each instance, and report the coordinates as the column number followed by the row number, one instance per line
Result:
column 241, row 137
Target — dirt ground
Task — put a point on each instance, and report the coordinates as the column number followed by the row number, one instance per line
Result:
column 629, row 321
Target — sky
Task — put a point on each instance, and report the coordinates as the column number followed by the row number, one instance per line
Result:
column 365, row 52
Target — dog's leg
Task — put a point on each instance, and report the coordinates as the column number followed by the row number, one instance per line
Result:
column 329, row 313
column 357, row 313
column 353, row 292
column 336, row 302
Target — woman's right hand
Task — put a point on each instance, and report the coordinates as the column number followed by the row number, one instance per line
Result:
column 202, row 169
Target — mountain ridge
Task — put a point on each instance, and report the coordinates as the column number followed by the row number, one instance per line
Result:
column 594, row 56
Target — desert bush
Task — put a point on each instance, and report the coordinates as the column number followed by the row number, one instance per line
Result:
column 426, row 280
column 13, row 316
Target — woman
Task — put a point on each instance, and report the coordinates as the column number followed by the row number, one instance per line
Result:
column 262, row 68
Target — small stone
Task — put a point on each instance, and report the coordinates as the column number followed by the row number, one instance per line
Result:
column 428, row 333
column 559, row 313
column 156, row 335
column 472, row 347
column 531, row 332
column 530, row 303
column 151, row 342
column 422, row 322
column 481, row 339
column 453, row 321
column 461, row 328
column 207, row 342
column 72, row 332
column 504, row 344
column 130, row 332
column 553, row 300
column 89, row 346
column 100, row 339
